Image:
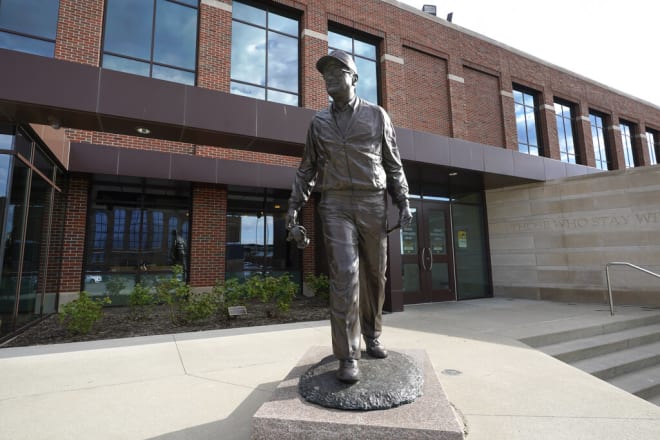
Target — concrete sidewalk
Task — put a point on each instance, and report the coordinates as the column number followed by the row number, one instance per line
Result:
column 207, row 385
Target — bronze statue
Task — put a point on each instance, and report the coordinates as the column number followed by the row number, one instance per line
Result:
column 351, row 155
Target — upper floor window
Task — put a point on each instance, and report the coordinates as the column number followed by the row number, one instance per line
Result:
column 651, row 142
column 365, row 55
column 564, row 115
column 525, row 106
column 627, row 141
column 599, row 141
column 154, row 38
column 29, row 26
column 264, row 54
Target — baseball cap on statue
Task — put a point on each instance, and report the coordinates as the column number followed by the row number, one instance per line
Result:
column 338, row 55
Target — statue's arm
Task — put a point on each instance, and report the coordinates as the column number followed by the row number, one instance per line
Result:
column 397, row 185
column 305, row 179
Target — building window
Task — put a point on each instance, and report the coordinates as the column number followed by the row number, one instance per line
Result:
column 599, row 141
column 365, row 56
column 264, row 54
column 564, row 115
column 29, row 26
column 154, row 38
column 627, row 141
column 525, row 106
column 651, row 142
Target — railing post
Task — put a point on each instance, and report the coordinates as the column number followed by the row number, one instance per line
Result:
column 609, row 288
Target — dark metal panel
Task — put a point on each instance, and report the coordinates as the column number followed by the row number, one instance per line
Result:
column 279, row 177
column 91, row 158
column 282, row 122
column 467, row 155
column 498, row 161
column 554, row 169
column 404, row 139
column 193, row 168
column 528, row 166
column 431, row 148
column 143, row 163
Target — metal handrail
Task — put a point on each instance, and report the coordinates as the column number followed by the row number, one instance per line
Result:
column 609, row 285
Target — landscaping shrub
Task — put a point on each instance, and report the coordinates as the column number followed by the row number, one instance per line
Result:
column 80, row 315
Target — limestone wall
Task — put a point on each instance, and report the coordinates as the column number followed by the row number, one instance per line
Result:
column 552, row 240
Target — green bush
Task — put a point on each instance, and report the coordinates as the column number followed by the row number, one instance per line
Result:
column 276, row 292
column 320, row 285
column 141, row 301
column 199, row 306
column 173, row 291
column 80, row 315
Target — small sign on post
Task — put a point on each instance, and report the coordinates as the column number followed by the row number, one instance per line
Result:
column 237, row 310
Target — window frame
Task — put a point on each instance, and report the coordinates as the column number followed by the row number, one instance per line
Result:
column 627, row 130
column 150, row 62
column 283, row 12
column 537, row 120
column 35, row 37
column 605, row 147
column 572, row 124
column 652, row 145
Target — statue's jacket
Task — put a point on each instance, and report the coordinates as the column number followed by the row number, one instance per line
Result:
column 364, row 157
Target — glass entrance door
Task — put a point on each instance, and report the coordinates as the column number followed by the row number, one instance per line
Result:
column 426, row 261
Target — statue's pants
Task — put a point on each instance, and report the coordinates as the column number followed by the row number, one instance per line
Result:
column 354, row 230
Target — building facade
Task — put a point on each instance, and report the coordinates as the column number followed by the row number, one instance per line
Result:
column 129, row 123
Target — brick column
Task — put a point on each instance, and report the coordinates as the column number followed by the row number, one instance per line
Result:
column 314, row 44
column 73, row 246
column 393, row 79
column 79, row 30
column 208, row 235
column 644, row 156
column 456, row 87
column 214, row 51
column 508, row 111
column 617, row 159
column 548, row 126
column 583, row 142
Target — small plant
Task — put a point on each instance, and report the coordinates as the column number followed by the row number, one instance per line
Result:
column 320, row 285
column 115, row 285
column 80, row 315
column 229, row 293
column 141, row 301
column 277, row 292
column 199, row 306
column 173, row 291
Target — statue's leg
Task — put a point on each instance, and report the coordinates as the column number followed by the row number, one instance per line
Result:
column 372, row 238
column 340, row 236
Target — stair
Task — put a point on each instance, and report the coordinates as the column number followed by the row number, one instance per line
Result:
column 624, row 353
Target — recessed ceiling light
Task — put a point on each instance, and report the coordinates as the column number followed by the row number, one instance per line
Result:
column 142, row 130
column 453, row 174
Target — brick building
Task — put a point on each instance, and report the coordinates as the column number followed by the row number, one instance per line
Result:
column 126, row 122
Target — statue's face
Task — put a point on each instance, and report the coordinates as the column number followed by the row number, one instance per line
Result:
column 339, row 81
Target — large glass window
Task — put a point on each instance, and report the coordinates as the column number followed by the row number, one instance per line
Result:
column 525, row 106
column 564, row 116
column 651, row 142
column 599, row 141
column 26, row 207
column 627, row 141
column 264, row 54
column 365, row 55
column 256, row 235
column 155, row 38
column 29, row 26
column 127, row 241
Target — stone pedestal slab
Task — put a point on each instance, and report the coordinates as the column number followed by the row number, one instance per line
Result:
column 287, row 416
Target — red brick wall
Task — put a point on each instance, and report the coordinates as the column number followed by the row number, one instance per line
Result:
column 427, row 98
column 74, row 233
column 208, row 235
column 79, row 30
column 214, row 51
column 483, row 108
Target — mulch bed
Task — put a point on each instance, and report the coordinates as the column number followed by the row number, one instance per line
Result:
column 119, row 322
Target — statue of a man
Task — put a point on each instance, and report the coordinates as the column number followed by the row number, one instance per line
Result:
column 352, row 156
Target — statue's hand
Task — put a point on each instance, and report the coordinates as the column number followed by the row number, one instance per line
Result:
column 291, row 218
column 405, row 216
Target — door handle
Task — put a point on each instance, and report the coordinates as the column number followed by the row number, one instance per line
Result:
column 424, row 259
column 430, row 260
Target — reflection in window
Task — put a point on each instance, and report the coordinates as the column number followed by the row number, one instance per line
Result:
column 172, row 225
column 626, row 140
column 155, row 38
column 24, row 29
column 157, row 229
column 564, row 115
column 264, row 54
column 118, row 230
column 525, row 106
column 364, row 54
column 101, row 230
column 599, row 141
column 651, row 143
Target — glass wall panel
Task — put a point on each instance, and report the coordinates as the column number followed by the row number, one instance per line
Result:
column 626, row 140
column 525, row 109
column 564, row 117
column 256, row 235
column 156, row 38
column 599, row 141
column 651, row 143
column 472, row 276
column 129, row 234
column 24, row 29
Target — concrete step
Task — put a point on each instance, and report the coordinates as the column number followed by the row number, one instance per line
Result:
column 590, row 331
column 644, row 383
column 585, row 348
column 655, row 400
column 611, row 365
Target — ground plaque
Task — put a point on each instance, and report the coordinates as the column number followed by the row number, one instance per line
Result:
column 287, row 416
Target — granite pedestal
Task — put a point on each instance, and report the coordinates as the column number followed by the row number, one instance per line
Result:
column 287, row 416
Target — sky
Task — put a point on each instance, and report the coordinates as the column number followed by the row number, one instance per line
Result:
column 611, row 42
